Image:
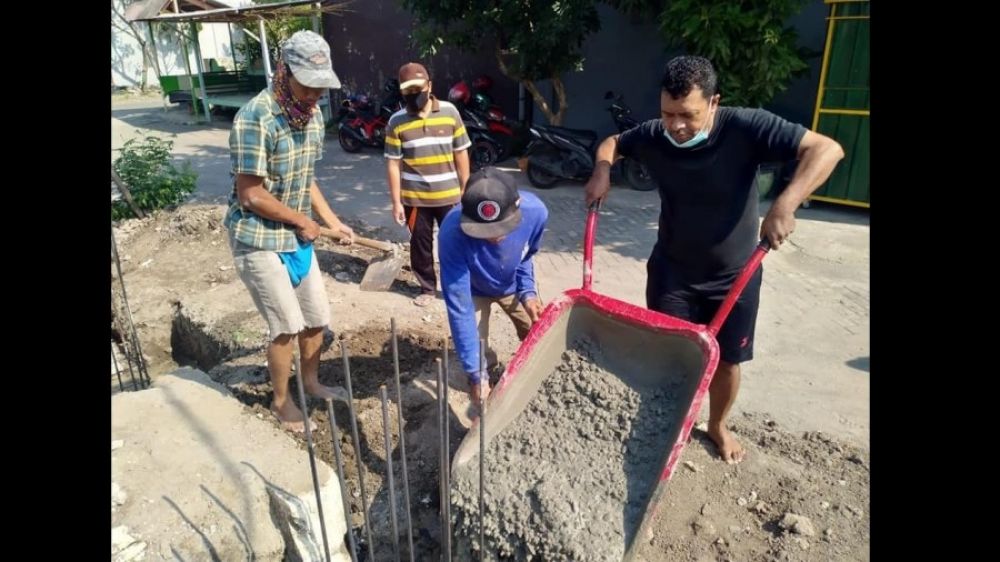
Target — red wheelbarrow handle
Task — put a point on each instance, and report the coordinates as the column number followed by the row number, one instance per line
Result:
column 737, row 289
column 731, row 297
column 588, row 245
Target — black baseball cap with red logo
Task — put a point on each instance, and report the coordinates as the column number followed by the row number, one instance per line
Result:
column 490, row 205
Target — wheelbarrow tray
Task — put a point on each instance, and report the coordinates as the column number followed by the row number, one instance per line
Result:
column 643, row 348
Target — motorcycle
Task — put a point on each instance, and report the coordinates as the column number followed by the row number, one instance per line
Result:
column 486, row 149
column 556, row 153
column 360, row 124
column 478, row 107
column 635, row 174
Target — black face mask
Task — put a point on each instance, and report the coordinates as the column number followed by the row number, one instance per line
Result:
column 416, row 102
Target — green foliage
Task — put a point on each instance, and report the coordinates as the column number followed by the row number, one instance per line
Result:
column 748, row 41
column 144, row 166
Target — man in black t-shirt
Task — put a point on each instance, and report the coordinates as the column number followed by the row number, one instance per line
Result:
column 704, row 158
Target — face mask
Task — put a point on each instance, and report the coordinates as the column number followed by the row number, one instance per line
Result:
column 416, row 102
column 699, row 137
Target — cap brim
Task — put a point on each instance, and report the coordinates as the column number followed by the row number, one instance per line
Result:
column 412, row 83
column 490, row 230
column 316, row 78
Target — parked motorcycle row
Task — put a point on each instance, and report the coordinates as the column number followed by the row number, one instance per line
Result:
column 362, row 121
column 550, row 153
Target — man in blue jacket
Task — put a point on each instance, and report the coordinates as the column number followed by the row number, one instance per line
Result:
column 485, row 246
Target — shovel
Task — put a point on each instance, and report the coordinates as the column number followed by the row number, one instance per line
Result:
column 380, row 273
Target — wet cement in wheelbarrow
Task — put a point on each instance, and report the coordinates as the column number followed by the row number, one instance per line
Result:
column 569, row 479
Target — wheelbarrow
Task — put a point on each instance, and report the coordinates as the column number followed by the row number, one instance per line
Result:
column 642, row 347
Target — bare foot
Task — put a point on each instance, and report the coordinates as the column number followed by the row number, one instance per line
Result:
column 324, row 392
column 291, row 418
column 729, row 449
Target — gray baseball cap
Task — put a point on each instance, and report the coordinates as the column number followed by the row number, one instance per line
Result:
column 308, row 57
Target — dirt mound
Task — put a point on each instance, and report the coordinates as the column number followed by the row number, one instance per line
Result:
column 795, row 497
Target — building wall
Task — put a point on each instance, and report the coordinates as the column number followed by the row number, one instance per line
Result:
column 126, row 53
column 627, row 56
column 370, row 43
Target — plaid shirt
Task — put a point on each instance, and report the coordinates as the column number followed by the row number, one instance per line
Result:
column 261, row 143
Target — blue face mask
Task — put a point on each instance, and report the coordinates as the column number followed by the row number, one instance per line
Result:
column 699, row 137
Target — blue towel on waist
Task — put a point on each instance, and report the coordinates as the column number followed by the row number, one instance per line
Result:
column 298, row 262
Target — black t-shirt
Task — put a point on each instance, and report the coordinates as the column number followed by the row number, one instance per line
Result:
column 709, row 218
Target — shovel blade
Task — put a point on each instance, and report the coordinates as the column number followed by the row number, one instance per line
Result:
column 381, row 273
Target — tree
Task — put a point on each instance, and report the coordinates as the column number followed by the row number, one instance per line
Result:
column 149, row 59
column 531, row 40
column 753, row 50
column 277, row 30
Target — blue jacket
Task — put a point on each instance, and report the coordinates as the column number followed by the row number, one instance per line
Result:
column 472, row 267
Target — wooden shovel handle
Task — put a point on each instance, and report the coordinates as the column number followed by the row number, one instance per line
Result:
column 368, row 242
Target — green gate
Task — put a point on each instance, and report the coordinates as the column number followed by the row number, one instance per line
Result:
column 843, row 101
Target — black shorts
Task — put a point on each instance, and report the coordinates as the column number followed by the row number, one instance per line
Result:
column 670, row 292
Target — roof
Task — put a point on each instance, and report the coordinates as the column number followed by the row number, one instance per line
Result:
column 145, row 9
column 162, row 10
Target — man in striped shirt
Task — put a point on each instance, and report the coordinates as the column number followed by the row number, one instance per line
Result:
column 427, row 163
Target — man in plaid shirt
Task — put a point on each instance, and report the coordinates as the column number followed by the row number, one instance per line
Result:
column 276, row 139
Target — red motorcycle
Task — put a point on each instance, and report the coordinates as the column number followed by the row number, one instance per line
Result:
column 361, row 124
column 476, row 106
column 479, row 102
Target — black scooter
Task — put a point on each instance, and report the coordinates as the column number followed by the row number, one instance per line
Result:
column 636, row 175
column 557, row 153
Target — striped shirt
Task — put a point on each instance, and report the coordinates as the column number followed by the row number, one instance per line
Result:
column 261, row 143
column 427, row 147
